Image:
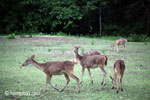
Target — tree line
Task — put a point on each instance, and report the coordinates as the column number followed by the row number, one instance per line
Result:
column 76, row 17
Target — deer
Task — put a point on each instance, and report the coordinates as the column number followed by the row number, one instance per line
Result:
column 119, row 68
column 121, row 41
column 55, row 68
column 91, row 52
column 91, row 62
column 94, row 52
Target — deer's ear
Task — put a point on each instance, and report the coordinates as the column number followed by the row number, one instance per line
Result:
column 110, row 77
column 33, row 56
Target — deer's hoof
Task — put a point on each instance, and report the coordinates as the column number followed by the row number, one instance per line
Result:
column 61, row 90
column 121, row 89
column 117, row 91
column 43, row 91
column 58, row 90
column 113, row 87
column 80, row 82
column 102, row 83
column 78, row 91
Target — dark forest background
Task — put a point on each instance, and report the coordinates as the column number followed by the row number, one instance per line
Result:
column 75, row 17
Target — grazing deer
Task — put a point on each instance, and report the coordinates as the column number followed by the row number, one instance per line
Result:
column 119, row 68
column 118, row 42
column 91, row 62
column 94, row 52
column 55, row 68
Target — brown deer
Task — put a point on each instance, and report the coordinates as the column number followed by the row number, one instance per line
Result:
column 118, row 42
column 91, row 52
column 91, row 62
column 55, row 68
column 119, row 68
column 94, row 52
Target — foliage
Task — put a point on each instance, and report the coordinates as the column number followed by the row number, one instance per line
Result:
column 11, row 36
column 110, row 37
column 77, row 17
column 60, row 34
column 138, row 38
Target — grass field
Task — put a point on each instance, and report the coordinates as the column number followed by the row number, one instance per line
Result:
column 26, row 83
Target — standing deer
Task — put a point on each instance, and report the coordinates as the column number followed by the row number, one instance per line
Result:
column 55, row 68
column 91, row 52
column 94, row 52
column 119, row 68
column 118, row 42
column 91, row 62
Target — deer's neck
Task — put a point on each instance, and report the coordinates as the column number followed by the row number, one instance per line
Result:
column 79, row 57
column 38, row 65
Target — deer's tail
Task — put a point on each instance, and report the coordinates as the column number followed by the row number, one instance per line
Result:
column 106, row 60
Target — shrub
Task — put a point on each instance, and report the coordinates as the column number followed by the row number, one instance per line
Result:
column 49, row 49
column 11, row 36
column 138, row 38
column 133, row 38
column 40, row 33
column 60, row 33
column 110, row 37
column 92, row 42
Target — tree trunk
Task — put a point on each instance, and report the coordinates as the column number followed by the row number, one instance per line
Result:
column 147, row 15
column 100, row 22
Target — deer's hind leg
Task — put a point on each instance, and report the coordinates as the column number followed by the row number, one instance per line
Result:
column 104, row 73
column 48, row 80
column 125, row 46
column 121, row 82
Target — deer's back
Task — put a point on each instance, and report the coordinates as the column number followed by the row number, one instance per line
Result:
column 121, row 41
column 90, row 61
column 59, row 67
column 119, row 66
column 94, row 52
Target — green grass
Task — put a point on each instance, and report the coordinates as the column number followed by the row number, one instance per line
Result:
column 14, row 52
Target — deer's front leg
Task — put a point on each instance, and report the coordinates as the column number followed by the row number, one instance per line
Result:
column 104, row 72
column 68, row 80
column 47, row 81
column 90, row 75
column 51, row 84
column 83, row 69
column 117, row 86
column 117, row 48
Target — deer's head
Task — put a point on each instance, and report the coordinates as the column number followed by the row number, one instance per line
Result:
column 90, row 52
column 113, row 80
column 76, row 49
column 28, row 61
